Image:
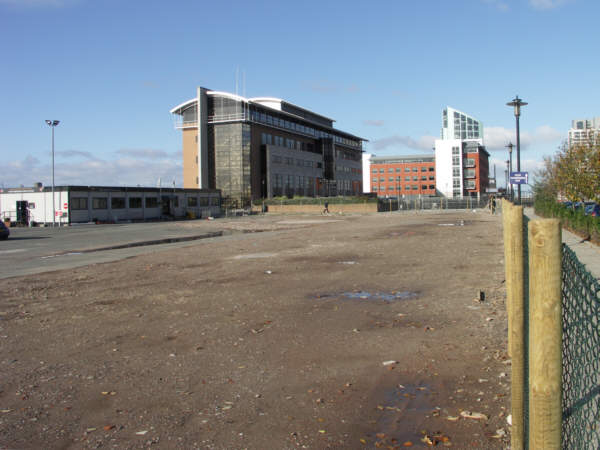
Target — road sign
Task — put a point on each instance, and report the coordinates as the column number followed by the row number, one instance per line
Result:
column 519, row 177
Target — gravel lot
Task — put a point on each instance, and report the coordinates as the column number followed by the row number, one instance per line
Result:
column 287, row 332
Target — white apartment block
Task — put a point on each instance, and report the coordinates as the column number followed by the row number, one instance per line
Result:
column 461, row 162
column 584, row 131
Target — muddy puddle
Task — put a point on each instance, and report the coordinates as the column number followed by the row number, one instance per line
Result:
column 402, row 411
column 377, row 296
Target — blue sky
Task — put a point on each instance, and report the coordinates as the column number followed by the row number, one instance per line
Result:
column 111, row 70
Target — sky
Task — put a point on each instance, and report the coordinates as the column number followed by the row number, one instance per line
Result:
column 110, row 71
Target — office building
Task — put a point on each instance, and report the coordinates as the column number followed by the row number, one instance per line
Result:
column 461, row 160
column 403, row 175
column 253, row 148
column 82, row 204
column 585, row 131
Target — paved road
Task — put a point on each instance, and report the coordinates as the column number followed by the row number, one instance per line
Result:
column 35, row 250
column 587, row 253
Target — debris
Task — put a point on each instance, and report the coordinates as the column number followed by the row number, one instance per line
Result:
column 363, row 441
column 322, row 431
column 89, row 430
column 452, row 418
column 268, row 272
column 509, row 419
column 473, row 415
column 108, row 427
column 407, row 444
column 141, row 433
column 390, row 362
column 500, row 433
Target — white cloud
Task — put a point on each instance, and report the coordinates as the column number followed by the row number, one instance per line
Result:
column 374, row 123
column 147, row 153
column 423, row 143
column 547, row 4
column 75, row 154
column 496, row 138
column 116, row 172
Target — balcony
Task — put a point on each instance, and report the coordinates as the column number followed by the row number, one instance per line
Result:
column 469, row 162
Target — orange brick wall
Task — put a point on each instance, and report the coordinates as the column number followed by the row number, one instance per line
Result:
column 403, row 187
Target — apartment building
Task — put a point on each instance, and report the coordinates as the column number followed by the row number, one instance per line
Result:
column 461, row 160
column 403, row 175
column 585, row 131
column 253, row 148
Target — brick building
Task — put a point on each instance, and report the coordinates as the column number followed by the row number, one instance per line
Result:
column 403, row 175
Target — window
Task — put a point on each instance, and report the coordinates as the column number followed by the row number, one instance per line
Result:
column 390, row 170
column 407, row 169
column 431, row 177
column 455, row 151
column 99, row 203
column 423, row 169
column 382, row 179
column 151, row 202
column 415, row 178
column 391, row 179
column 214, row 201
column 398, row 178
column 78, row 203
column 424, row 178
column 397, row 169
column 415, row 187
column 374, row 170
column 431, row 169
column 380, row 170
column 135, row 202
column 456, row 171
column 374, row 188
column 203, row 201
column 117, row 203
column 431, row 186
column 456, row 160
column 192, row 202
column 415, row 169
column 406, row 178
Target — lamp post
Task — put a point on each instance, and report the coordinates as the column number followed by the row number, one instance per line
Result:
column 52, row 124
column 516, row 103
column 510, row 147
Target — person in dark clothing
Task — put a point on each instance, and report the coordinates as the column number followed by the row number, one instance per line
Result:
column 326, row 210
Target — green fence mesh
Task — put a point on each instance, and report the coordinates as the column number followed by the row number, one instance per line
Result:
column 581, row 355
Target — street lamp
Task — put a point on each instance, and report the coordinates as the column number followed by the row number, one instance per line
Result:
column 517, row 103
column 52, row 124
column 510, row 147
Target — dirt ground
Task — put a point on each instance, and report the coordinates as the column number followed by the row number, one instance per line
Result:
column 288, row 332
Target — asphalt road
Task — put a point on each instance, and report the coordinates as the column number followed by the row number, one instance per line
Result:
column 35, row 250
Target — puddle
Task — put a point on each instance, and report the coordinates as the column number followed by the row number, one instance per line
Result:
column 255, row 255
column 403, row 410
column 385, row 296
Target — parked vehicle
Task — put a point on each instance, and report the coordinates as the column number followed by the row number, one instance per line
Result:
column 4, row 231
column 592, row 210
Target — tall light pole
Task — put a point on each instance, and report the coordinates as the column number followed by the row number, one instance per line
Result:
column 510, row 147
column 516, row 103
column 52, row 124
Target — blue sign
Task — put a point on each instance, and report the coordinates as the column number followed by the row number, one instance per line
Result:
column 519, row 177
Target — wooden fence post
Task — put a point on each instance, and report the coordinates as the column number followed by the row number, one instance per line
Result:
column 513, row 248
column 545, row 334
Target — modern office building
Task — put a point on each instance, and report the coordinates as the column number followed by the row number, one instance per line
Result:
column 461, row 160
column 585, row 131
column 253, row 148
column 403, row 175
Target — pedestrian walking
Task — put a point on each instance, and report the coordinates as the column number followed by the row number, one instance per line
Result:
column 326, row 210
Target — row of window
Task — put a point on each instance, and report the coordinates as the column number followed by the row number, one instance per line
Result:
column 288, row 160
column 300, row 128
column 280, row 141
column 406, row 169
column 415, row 178
column 406, row 187
column 81, row 203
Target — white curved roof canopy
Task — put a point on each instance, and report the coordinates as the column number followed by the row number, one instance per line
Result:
column 185, row 105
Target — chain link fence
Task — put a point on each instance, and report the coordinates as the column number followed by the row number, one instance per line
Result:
column 580, row 355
